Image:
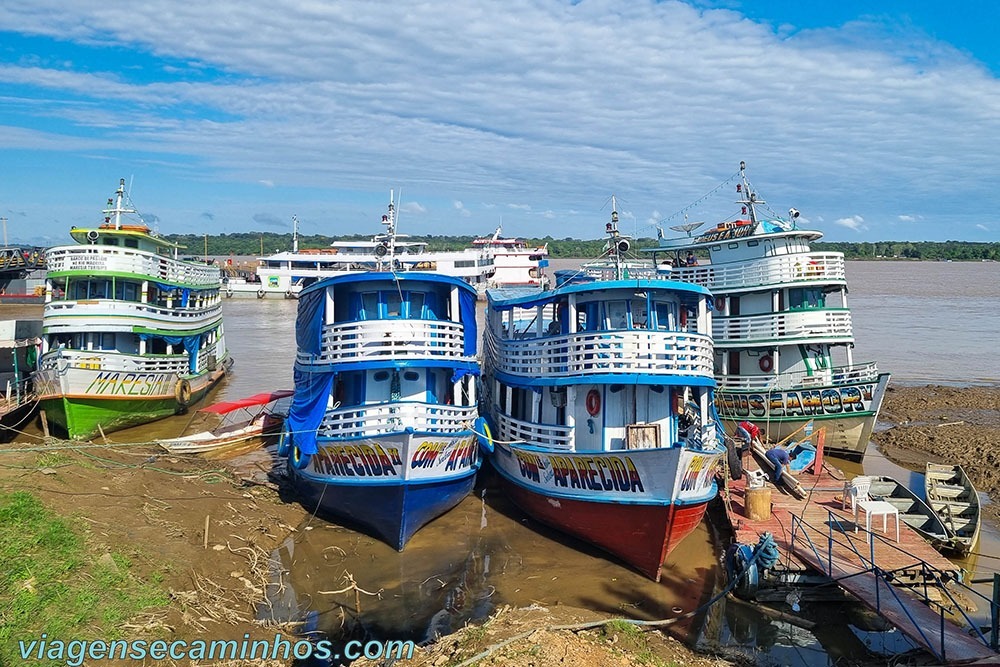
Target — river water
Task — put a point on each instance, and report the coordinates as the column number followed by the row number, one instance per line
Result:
column 925, row 322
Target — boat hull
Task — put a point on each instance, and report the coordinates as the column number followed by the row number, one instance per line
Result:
column 390, row 486
column 635, row 504
column 13, row 420
column 847, row 413
column 86, row 402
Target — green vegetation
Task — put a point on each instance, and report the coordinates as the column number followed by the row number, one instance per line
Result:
column 266, row 243
column 51, row 583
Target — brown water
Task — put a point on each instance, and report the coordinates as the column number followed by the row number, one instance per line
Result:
column 485, row 553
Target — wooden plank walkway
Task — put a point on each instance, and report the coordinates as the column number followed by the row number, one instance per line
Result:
column 820, row 517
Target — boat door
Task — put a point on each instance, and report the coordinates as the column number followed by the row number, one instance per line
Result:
column 589, row 411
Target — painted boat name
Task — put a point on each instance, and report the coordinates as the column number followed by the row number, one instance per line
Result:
column 793, row 403
column 130, row 384
column 597, row 473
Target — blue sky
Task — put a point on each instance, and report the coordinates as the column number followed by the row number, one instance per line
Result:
column 876, row 123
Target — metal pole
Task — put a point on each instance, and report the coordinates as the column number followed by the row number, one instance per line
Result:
column 4, row 220
column 995, row 611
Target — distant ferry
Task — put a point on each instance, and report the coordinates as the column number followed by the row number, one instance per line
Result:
column 131, row 333
column 285, row 274
column 780, row 318
column 517, row 264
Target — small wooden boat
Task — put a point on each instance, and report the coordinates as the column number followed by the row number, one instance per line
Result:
column 230, row 423
column 913, row 511
column 951, row 494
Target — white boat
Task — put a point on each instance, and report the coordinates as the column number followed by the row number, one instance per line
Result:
column 230, row 424
column 598, row 400
column 283, row 275
column 517, row 264
column 131, row 332
column 784, row 342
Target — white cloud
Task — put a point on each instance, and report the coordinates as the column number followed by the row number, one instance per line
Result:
column 460, row 207
column 982, row 227
column 338, row 99
column 854, row 223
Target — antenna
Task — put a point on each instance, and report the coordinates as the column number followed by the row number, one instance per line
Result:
column 687, row 227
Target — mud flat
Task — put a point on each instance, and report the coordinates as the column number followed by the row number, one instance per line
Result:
column 944, row 424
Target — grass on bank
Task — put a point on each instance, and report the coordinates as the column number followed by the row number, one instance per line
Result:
column 51, row 582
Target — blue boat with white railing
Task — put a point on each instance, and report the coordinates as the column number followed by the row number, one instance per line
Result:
column 784, row 341
column 598, row 402
column 380, row 428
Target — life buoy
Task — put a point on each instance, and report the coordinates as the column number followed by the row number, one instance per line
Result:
column 229, row 293
column 260, row 293
column 593, row 402
column 720, row 303
column 284, row 443
column 766, row 363
column 484, row 435
column 182, row 392
column 298, row 459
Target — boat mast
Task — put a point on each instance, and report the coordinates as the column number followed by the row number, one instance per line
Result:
column 616, row 244
column 388, row 240
column 115, row 206
column 749, row 197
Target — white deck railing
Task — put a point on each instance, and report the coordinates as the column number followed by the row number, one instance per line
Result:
column 372, row 340
column 837, row 375
column 97, row 259
column 386, row 418
column 618, row 352
column 113, row 315
column 112, row 362
column 543, row 435
column 783, row 270
column 791, row 327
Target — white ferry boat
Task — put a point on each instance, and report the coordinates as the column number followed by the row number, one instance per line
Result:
column 784, row 342
column 517, row 264
column 131, row 333
column 284, row 274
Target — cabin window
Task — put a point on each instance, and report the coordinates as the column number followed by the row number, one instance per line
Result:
column 640, row 317
column 393, row 304
column 664, row 315
column 733, row 246
column 369, row 306
column 753, row 244
column 131, row 243
column 380, row 376
column 800, row 298
column 411, row 376
column 110, row 241
column 617, row 314
column 416, row 308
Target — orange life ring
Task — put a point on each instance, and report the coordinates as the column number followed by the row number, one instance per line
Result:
column 720, row 303
column 593, row 402
column 766, row 363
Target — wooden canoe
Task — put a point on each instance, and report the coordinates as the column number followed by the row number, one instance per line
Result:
column 913, row 511
column 952, row 496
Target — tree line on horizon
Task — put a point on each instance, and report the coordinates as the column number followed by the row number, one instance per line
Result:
column 267, row 243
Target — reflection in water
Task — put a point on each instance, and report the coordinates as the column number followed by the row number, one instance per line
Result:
column 462, row 566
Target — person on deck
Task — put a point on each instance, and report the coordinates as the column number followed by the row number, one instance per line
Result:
column 691, row 259
column 778, row 456
column 749, row 432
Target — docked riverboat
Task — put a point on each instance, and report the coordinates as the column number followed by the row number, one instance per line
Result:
column 516, row 263
column 598, row 401
column 131, row 332
column 285, row 274
column 784, row 342
column 380, row 428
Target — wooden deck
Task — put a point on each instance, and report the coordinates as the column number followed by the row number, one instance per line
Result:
column 824, row 542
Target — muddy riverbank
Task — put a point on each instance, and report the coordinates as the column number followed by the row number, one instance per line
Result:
column 153, row 508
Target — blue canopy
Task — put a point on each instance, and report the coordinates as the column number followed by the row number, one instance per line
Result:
column 191, row 343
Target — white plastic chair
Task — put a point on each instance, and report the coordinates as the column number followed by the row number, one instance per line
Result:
column 856, row 489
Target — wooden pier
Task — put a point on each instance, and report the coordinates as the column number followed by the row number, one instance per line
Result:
column 816, row 538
